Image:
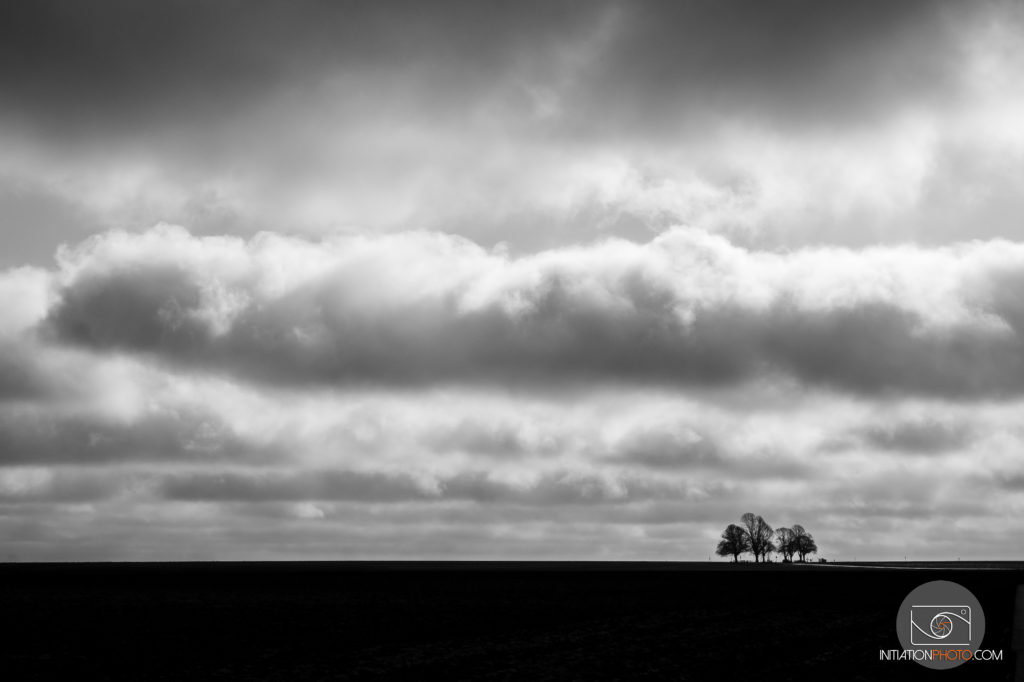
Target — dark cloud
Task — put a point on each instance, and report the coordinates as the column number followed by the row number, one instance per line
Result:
column 43, row 437
column 478, row 437
column 298, row 339
column 130, row 68
column 531, row 124
column 792, row 63
column 925, row 435
column 553, row 489
column 263, row 514
column 142, row 307
column 294, row 486
column 674, row 448
column 879, row 347
column 1013, row 482
column 666, row 448
column 272, row 531
column 564, row 488
column 20, row 377
column 713, row 504
column 60, row 486
column 895, row 511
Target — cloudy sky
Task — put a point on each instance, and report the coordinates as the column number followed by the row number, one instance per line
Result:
column 552, row 280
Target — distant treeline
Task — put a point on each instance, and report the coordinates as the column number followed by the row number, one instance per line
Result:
column 760, row 539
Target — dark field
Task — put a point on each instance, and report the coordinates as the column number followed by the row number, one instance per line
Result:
column 312, row 621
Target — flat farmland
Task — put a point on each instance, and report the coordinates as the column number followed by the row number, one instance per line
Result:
column 481, row 621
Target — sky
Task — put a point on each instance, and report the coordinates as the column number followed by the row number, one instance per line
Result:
column 532, row 280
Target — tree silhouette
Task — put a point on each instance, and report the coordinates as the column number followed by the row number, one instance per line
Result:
column 759, row 535
column 758, row 538
column 733, row 543
column 768, row 548
column 803, row 542
column 786, row 545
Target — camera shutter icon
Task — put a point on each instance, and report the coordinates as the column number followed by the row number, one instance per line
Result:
column 940, row 625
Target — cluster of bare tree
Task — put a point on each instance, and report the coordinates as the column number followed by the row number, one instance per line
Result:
column 760, row 539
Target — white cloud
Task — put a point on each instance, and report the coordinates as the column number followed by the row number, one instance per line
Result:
column 687, row 308
column 27, row 294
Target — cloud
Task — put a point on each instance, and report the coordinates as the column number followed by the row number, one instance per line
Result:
column 1012, row 482
column 536, row 125
column 40, row 485
column 33, row 436
column 548, row 489
column 672, row 446
column 796, row 63
column 119, row 61
column 919, row 436
column 563, row 488
column 18, row 378
column 321, row 494
column 549, row 280
column 420, row 308
column 676, row 447
column 26, row 293
column 655, row 55
column 475, row 437
column 300, row 486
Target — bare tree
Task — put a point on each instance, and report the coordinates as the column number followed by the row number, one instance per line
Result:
column 759, row 534
column 733, row 543
column 786, row 545
column 803, row 542
column 768, row 548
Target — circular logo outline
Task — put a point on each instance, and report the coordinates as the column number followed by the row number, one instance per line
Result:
column 944, row 618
